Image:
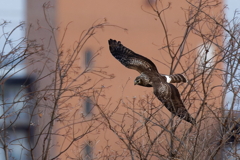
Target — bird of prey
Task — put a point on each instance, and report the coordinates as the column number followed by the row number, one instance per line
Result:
column 150, row 77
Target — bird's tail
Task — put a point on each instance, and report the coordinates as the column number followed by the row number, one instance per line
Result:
column 176, row 78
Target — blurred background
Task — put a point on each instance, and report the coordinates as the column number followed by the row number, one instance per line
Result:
column 133, row 23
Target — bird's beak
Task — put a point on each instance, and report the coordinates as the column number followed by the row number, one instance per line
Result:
column 135, row 82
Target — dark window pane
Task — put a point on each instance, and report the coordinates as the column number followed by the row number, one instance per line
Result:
column 88, row 58
column 88, row 152
column 88, row 107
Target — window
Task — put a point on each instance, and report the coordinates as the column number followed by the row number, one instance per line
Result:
column 88, row 106
column 205, row 58
column 88, row 152
column 15, row 109
column 17, row 139
column 150, row 2
column 88, row 58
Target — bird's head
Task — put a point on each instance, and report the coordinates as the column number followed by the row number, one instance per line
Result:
column 138, row 81
column 141, row 81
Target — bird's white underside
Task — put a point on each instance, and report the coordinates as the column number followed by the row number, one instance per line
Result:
column 168, row 79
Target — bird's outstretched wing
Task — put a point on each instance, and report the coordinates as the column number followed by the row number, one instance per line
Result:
column 137, row 62
column 130, row 59
column 168, row 94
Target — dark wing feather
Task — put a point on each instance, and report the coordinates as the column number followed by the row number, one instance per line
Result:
column 130, row 59
column 168, row 94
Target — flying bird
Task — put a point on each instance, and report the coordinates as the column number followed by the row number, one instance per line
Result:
column 167, row 93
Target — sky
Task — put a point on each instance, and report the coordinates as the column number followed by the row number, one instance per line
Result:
column 11, row 11
column 232, row 6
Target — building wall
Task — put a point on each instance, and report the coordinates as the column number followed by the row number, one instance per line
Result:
column 42, row 49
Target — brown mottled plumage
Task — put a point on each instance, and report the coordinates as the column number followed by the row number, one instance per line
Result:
column 150, row 77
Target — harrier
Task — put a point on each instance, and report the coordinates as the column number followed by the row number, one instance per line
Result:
column 150, row 77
